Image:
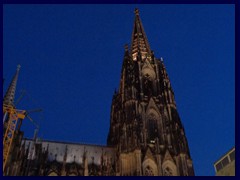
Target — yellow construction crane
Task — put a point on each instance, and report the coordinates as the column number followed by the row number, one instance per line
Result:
column 12, row 115
column 14, row 121
column 12, row 118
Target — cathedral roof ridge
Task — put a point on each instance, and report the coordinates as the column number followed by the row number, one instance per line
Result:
column 72, row 143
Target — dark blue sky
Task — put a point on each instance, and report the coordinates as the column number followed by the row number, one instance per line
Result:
column 71, row 57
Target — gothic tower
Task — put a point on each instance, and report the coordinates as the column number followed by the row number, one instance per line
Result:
column 145, row 126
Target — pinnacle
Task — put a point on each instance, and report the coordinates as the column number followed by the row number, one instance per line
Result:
column 18, row 67
column 126, row 47
column 10, row 94
column 136, row 11
column 139, row 39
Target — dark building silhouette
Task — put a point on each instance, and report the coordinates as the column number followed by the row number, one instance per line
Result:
column 145, row 126
column 146, row 136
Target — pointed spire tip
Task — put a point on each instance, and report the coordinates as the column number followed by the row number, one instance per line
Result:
column 10, row 94
column 136, row 11
column 140, row 43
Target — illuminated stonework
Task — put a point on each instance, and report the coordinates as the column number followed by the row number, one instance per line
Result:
column 146, row 136
column 145, row 126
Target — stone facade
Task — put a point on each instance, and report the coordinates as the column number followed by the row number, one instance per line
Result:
column 146, row 136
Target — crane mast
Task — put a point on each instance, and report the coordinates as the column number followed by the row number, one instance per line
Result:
column 11, row 123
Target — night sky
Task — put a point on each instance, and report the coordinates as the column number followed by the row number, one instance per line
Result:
column 71, row 58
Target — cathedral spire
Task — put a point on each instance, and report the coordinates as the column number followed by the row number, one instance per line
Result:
column 10, row 94
column 139, row 39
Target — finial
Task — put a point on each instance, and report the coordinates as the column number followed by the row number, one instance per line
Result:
column 126, row 47
column 18, row 67
column 136, row 11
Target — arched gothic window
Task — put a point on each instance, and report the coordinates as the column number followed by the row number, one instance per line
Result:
column 167, row 172
column 52, row 174
column 152, row 129
column 148, row 171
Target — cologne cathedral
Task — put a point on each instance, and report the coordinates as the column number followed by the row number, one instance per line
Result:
column 146, row 136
